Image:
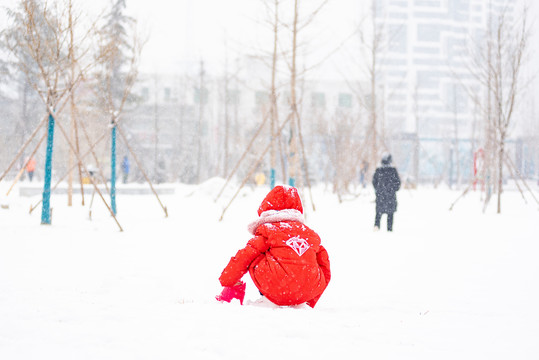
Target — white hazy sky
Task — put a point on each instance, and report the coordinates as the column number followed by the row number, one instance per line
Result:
column 188, row 30
column 182, row 32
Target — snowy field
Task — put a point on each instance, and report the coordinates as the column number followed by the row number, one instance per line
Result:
column 444, row 285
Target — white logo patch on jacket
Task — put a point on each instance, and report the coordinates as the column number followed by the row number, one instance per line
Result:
column 298, row 244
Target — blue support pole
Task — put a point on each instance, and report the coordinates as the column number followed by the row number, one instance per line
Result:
column 46, row 207
column 272, row 178
column 113, row 171
column 292, row 181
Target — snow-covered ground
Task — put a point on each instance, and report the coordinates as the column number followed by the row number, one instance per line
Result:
column 444, row 285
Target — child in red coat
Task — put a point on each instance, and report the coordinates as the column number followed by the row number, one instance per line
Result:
column 285, row 259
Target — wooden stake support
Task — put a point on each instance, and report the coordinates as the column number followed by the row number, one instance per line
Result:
column 124, row 138
column 21, row 171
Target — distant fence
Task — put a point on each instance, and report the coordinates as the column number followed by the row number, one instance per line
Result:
column 424, row 160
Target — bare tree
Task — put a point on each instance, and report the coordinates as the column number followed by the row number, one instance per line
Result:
column 343, row 148
column 202, row 99
column 118, row 58
column 81, row 61
column 374, row 47
column 497, row 66
column 36, row 39
column 296, row 143
column 374, row 38
column 274, row 111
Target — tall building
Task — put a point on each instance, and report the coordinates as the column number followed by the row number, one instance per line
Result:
column 427, row 77
column 427, row 62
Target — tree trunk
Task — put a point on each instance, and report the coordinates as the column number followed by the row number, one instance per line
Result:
column 293, row 150
column 501, row 153
column 273, row 110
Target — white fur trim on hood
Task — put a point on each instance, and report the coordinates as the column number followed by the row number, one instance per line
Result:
column 271, row 216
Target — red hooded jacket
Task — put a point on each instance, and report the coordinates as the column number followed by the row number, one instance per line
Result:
column 284, row 258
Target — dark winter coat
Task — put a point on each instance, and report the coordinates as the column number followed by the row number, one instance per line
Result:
column 386, row 183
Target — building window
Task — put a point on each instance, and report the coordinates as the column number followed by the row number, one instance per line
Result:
column 394, row 61
column 428, row 3
column 430, row 61
column 459, row 9
column 378, row 9
column 233, row 97
column 345, row 100
column 398, row 15
column 318, row 99
column 428, row 32
column 457, row 98
column 145, row 94
column 398, row 3
column 428, row 79
column 201, row 96
column 426, row 50
column 399, row 38
column 261, row 98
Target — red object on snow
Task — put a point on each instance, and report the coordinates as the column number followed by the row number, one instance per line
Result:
column 233, row 292
column 478, row 163
column 285, row 259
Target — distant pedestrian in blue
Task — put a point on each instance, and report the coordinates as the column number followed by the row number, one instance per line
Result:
column 363, row 172
column 386, row 183
column 125, row 169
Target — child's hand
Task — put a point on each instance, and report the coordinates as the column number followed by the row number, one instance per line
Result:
column 234, row 292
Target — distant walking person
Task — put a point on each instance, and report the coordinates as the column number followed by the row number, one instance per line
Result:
column 363, row 172
column 30, row 168
column 125, row 169
column 386, row 183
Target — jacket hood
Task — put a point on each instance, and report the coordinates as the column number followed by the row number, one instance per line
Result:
column 281, row 197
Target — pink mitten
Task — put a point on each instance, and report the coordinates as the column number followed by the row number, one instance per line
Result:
column 234, row 292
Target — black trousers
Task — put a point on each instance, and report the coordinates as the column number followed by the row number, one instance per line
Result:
column 389, row 220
